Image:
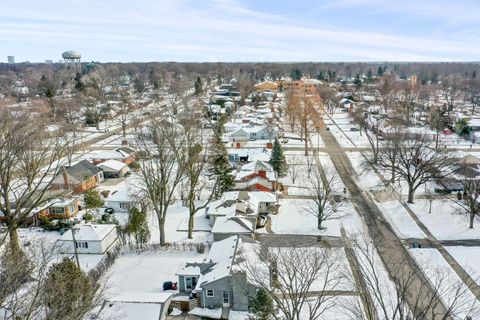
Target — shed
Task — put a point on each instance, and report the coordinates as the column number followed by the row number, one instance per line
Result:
column 113, row 168
column 89, row 238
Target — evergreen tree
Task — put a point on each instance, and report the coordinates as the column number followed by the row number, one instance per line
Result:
column 137, row 226
column 261, row 306
column 79, row 85
column 380, row 71
column 357, row 81
column 277, row 159
column 93, row 199
column 219, row 165
column 138, row 86
column 296, row 74
column 68, row 293
column 198, row 86
column 474, row 74
column 369, row 74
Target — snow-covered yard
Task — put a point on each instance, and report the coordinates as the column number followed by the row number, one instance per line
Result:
column 146, row 272
column 446, row 281
column 294, row 218
column 468, row 258
column 400, row 220
column 445, row 222
column 366, row 177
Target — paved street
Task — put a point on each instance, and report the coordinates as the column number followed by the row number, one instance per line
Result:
column 390, row 248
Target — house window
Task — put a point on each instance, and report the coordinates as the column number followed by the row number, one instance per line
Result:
column 190, row 283
column 57, row 210
column 82, row 244
column 123, row 205
column 210, row 293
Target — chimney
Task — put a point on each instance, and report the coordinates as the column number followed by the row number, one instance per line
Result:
column 262, row 173
column 65, row 177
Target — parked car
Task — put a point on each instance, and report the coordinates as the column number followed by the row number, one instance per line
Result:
column 354, row 129
column 109, row 210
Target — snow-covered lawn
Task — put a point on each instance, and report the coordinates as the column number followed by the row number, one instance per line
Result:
column 146, row 272
column 444, row 278
column 175, row 223
column 293, row 218
column 400, row 220
column 366, row 177
column 468, row 258
column 445, row 222
column 329, row 168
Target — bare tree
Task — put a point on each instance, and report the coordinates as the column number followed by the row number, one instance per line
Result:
column 451, row 90
column 389, row 293
column 291, row 108
column 369, row 125
column 159, row 170
column 293, row 168
column 299, row 279
column 124, row 111
column 329, row 98
column 29, row 160
column 28, row 292
column 387, row 83
column 412, row 160
column 307, row 118
column 322, row 190
column 192, row 156
column 469, row 176
column 246, row 86
column 472, row 93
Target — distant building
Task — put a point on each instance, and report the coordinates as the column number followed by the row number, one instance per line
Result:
column 414, row 81
column 11, row 59
column 49, row 61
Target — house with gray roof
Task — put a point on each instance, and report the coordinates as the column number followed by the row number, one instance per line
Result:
column 80, row 177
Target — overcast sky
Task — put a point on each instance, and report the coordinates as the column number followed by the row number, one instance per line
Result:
column 241, row 30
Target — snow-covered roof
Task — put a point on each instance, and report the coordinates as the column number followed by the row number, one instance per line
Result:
column 257, row 165
column 221, row 254
column 132, row 306
column 260, row 196
column 88, row 232
column 232, row 225
column 230, row 195
column 120, row 196
column 112, row 164
column 184, row 270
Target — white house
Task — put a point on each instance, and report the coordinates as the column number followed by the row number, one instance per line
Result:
column 89, row 238
column 120, row 200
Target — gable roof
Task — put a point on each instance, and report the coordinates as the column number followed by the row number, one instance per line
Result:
column 82, row 169
column 112, row 164
column 222, row 254
column 88, row 232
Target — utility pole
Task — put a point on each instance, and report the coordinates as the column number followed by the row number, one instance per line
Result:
column 75, row 248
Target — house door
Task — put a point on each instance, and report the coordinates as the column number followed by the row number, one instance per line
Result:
column 226, row 300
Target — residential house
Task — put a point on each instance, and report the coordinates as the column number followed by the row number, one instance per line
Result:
column 89, row 238
column 121, row 201
column 211, row 280
column 62, row 208
column 113, row 169
column 79, row 177
column 256, row 175
column 123, row 154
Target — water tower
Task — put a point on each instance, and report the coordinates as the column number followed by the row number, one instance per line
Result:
column 72, row 60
